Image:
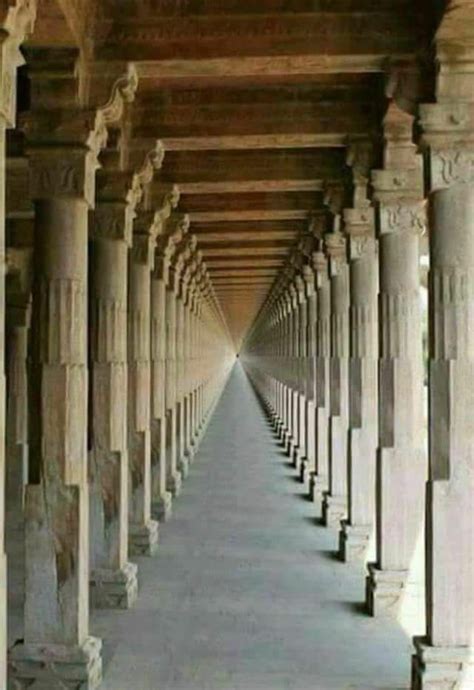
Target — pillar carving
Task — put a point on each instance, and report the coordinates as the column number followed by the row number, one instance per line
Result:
column 401, row 464
column 444, row 657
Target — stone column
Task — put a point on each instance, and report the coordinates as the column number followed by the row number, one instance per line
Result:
column 16, row 21
column 319, row 482
column 335, row 500
column 113, row 579
column 358, row 529
column 445, row 656
column 161, row 497
column 178, row 227
column 299, row 451
column 293, row 334
column 57, row 647
column 18, row 316
column 308, row 465
column 143, row 531
column 401, row 464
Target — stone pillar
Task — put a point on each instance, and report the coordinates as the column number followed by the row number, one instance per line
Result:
column 445, row 656
column 57, row 647
column 18, row 317
column 161, row 497
column 319, row 482
column 16, row 22
column 293, row 335
column 401, row 464
column 143, row 531
column 299, row 451
column 308, row 465
column 335, row 500
column 359, row 225
column 178, row 227
column 113, row 579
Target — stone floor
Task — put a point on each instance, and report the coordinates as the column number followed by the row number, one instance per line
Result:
column 246, row 592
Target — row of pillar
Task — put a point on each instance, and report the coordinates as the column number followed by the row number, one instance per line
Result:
column 117, row 353
column 337, row 356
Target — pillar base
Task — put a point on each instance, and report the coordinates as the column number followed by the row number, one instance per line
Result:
column 318, row 487
column 304, row 472
column 161, row 509
column 190, row 454
column 114, row 589
column 183, row 467
column 384, row 590
column 294, row 453
column 55, row 667
column 334, row 510
column 174, row 484
column 354, row 541
column 143, row 539
column 442, row 668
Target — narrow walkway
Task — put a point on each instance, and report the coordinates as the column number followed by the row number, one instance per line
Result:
column 245, row 593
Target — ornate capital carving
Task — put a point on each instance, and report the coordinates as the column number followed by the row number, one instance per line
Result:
column 143, row 250
column 61, row 173
column 16, row 20
column 336, row 249
column 403, row 218
column 113, row 221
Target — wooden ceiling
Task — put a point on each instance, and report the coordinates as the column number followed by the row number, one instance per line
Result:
column 256, row 102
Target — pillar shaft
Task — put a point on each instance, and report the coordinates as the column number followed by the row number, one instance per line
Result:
column 143, row 538
column 335, row 503
column 401, row 466
column 320, row 480
column 363, row 391
column 161, row 498
column 446, row 652
column 113, row 578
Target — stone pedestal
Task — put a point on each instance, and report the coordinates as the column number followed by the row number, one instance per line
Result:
column 441, row 668
column 58, row 666
column 111, row 589
column 384, row 590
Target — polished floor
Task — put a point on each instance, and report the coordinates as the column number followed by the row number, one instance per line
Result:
column 246, row 593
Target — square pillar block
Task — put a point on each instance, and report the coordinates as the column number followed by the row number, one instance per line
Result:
column 442, row 668
column 143, row 539
column 162, row 508
column 56, row 667
column 114, row 589
column 334, row 510
column 354, row 542
column 384, row 591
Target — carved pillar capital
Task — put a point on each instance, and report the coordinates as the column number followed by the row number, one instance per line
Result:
column 336, row 250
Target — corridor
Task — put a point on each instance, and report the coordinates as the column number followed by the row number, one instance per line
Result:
column 245, row 592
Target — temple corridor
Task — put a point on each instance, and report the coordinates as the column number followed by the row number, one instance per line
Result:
column 245, row 592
